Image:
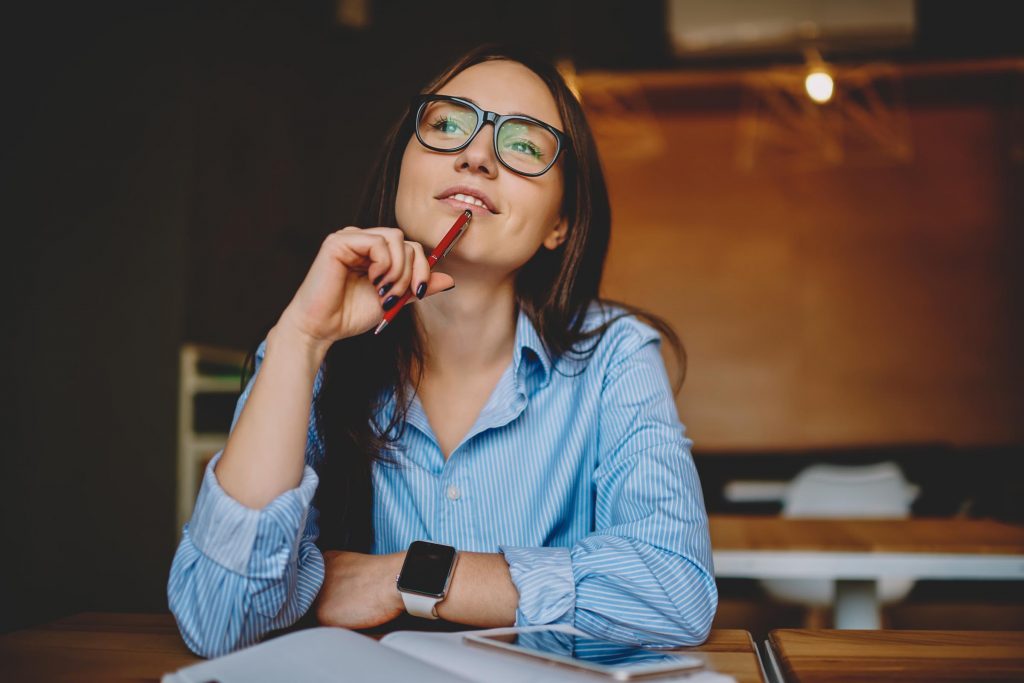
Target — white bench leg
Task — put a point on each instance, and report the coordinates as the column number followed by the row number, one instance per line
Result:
column 856, row 605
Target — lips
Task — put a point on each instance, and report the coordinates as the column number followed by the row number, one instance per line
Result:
column 467, row 197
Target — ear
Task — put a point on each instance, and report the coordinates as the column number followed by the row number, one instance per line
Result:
column 557, row 235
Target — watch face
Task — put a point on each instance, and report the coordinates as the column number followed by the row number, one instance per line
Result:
column 426, row 568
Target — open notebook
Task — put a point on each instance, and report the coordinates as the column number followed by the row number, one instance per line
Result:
column 334, row 655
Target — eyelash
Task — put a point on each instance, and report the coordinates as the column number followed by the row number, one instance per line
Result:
column 442, row 120
column 534, row 150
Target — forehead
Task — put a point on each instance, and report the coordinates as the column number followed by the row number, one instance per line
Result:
column 505, row 87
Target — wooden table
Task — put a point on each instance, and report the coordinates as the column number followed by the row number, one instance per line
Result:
column 855, row 553
column 95, row 647
column 142, row 647
column 851, row 656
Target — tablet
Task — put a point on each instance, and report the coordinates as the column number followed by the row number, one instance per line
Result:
column 618, row 661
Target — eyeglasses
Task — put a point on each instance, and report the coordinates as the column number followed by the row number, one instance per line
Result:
column 522, row 144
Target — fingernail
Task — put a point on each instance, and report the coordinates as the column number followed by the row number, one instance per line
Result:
column 379, row 278
column 421, row 290
column 390, row 301
column 384, row 290
column 447, row 290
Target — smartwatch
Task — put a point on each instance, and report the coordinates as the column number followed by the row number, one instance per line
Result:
column 426, row 574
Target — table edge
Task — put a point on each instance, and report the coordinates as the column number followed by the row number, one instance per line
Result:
column 865, row 565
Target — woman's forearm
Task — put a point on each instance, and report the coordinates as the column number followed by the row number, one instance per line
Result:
column 481, row 592
column 265, row 453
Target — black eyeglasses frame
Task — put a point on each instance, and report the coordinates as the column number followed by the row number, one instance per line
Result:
column 484, row 117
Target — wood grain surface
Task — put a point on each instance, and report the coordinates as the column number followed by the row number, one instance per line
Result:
column 938, row 535
column 95, row 647
column 852, row 656
column 730, row 652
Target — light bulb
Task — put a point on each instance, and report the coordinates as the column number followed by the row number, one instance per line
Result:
column 819, row 86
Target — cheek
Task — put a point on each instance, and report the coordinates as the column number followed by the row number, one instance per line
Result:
column 537, row 210
column 547, row 202
column 408, row 177
column 407, row 171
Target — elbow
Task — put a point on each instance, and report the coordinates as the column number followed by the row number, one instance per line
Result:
column 695, row 615
column 218, row 611
column 683, row 622
column 695, row 631
column 198, row 639
column 206, row 611
column 202, row 635
column 204, row 648
column 688, row 622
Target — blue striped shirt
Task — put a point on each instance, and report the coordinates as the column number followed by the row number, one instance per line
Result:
column 579, row 472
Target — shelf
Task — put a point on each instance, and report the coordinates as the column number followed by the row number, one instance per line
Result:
column 194, row 448
column 215, row 385
column 208, row 443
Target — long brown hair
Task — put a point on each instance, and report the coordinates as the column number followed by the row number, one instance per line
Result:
column 554, row 289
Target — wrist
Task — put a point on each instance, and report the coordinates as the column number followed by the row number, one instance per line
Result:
column 391, row 596
column 288, row 338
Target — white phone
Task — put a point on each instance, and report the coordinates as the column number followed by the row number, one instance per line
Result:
column 620, row 662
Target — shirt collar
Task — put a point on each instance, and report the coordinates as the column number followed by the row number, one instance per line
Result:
column 529, row 348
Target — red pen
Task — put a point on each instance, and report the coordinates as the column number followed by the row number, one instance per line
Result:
column 440, row 251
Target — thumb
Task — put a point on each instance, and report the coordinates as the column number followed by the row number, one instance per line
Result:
column 439, row 282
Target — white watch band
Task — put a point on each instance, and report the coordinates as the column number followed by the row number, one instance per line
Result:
column 420, row 605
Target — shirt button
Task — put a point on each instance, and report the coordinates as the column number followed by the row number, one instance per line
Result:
column 453, row 492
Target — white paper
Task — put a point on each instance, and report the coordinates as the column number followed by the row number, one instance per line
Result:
column 314, row 655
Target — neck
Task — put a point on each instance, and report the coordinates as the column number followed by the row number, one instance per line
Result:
column 469, row 329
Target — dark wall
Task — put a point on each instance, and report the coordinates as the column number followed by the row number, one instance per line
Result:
column 97, row 181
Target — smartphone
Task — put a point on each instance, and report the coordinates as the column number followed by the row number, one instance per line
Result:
column 618, row 661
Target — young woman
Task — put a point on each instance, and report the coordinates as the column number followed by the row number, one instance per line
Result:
column 516, row 419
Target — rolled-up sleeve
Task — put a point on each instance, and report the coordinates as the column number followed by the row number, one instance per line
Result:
column 645, row 574
column 240, row 573
column 544, row 579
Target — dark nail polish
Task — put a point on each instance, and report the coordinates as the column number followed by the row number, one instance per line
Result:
column 421, row 290
column 384, row 290
column 449, row 289
column 379, row 278
column 390, row 301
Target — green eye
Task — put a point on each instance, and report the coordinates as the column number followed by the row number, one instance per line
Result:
column 524, row 147
column 523, row 139
column 447, row 125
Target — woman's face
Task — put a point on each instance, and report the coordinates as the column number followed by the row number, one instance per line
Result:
column 526, row 211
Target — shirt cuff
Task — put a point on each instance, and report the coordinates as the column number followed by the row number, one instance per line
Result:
column 225, row 530
column 544, row 579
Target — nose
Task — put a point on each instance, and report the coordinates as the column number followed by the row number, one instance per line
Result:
column 478, row 156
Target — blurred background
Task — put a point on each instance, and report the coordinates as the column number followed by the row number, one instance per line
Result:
column 824, row 198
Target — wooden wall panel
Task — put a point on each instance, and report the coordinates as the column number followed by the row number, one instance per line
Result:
column 846, row 305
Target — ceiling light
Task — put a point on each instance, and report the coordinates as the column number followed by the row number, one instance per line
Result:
column 819, row 86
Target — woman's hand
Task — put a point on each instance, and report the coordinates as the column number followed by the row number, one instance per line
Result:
column 356, row 276
column 359, row 590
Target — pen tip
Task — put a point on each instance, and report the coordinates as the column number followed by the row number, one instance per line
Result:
column 467, row 213
column 380, row 328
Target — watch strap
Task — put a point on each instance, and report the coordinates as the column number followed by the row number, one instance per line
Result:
column 422, row 606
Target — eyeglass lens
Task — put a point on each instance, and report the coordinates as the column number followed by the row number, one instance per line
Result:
column 523, row 145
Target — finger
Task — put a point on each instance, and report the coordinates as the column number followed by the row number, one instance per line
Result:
column 420, row 270
column 356, row 249
column 402, row 283
column 395, row 239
